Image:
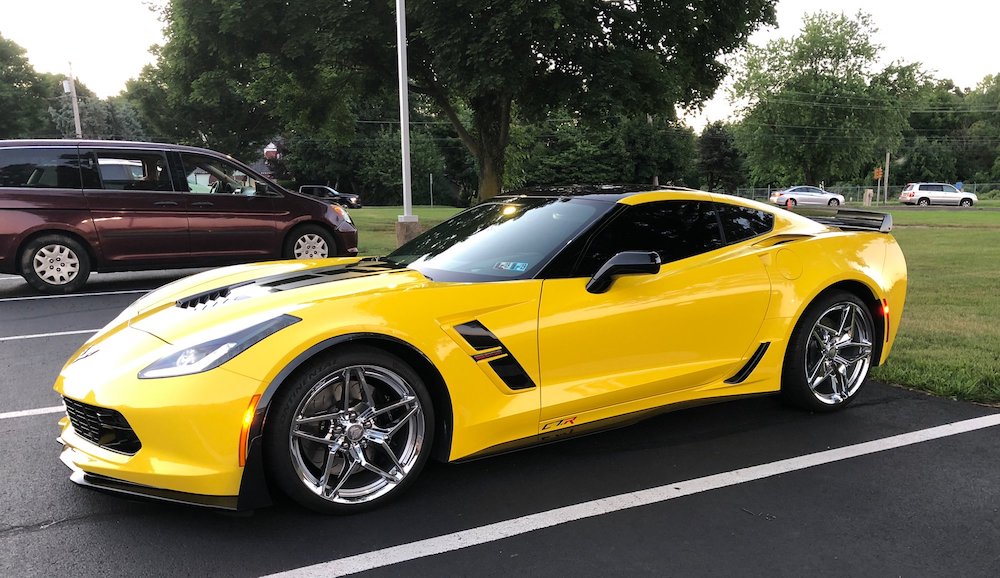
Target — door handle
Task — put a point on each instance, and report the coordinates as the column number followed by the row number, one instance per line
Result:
column 202, row 204
column 165, row 203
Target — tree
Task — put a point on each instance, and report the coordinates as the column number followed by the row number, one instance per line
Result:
column 24, row 94
column 721, row 163
column 595, row 57
column 818, row 108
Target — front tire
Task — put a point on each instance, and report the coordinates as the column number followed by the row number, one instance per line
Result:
column 350, row 432
column 834, row 203
column 829, row 353
column 310, row 242
column 55, row 264
column 966, row 203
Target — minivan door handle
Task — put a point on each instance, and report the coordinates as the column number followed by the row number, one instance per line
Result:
column 202, row 204
column 165, row 203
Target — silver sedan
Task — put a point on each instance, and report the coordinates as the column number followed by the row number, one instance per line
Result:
column 806, row 196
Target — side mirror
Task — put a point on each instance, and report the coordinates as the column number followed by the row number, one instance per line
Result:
column 624, row 263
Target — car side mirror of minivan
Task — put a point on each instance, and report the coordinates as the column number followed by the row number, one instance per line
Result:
column 624, row 263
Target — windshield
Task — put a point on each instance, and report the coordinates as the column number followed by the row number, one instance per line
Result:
column 500, row 240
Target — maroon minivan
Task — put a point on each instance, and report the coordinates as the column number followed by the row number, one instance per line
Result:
column 70, row 207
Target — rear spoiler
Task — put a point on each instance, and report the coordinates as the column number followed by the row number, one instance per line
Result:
column 851, row 219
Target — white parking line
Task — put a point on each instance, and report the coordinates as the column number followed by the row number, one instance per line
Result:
column 34, row 297
column 530, row 523
column 27, row 412
column 56, row 334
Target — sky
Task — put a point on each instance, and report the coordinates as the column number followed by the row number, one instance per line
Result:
column 107, row 41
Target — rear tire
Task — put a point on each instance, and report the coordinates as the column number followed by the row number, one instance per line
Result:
column 55, row 264
column 829, row 353
column 349, row 432
column 924, row 201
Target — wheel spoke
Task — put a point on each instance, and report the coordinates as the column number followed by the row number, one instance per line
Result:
column 403, row 422
column 328, row 467
column 348, row 471
column 318, row 418
column 401, row 403
column 812, row 374
column 346, row 395
column 309, row 437
column 844, row 321
column 366, row 390
column 392, row 456
column 362, row 460
column 819, row 380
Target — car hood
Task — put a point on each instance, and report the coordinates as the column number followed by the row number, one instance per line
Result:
column 235, row 297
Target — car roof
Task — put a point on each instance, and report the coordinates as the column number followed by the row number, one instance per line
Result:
column 610, row 193
column 105, row 144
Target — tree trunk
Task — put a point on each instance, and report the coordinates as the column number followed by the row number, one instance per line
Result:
column 491, row 124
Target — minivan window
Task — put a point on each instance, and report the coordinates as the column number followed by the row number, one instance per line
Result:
column 134, row 170
column 54, row 168
column 207, row 175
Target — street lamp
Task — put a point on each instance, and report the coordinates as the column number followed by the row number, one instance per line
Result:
column 407, row 224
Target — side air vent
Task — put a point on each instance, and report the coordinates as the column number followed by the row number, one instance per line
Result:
column 750, row 365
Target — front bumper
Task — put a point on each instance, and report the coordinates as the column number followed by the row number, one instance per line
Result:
column 188, row 427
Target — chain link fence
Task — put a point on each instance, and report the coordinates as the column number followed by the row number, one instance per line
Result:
column 856, row 194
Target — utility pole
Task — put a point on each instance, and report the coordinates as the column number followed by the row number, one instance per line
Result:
column 407, row 225
column 69, row 87
column 886, row 191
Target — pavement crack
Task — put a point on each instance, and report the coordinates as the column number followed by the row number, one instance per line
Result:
column 32, row 528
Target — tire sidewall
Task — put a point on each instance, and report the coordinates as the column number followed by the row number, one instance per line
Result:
column 794, row 388
column 27, row 257
column 277, row 454
column 288, row 251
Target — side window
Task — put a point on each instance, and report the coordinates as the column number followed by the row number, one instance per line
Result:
column 742, row 223
column 674, row 229
column 950, row 189
column 55, row 168
column 212, row 176
column 932, row 188
column 133, row 170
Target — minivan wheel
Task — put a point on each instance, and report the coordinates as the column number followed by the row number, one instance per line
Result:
column 924, row 201
column 310, row 242
column 55, row 264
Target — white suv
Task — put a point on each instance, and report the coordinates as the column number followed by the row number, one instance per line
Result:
column 924, row 194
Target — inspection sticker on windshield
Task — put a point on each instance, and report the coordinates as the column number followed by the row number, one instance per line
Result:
column 511, row 266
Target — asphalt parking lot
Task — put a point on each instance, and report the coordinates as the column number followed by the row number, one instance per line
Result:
column 899, row 484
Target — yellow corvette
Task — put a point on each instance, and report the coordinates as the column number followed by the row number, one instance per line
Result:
column 522, row 320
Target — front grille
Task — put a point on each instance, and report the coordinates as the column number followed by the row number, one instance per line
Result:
column 104, row 427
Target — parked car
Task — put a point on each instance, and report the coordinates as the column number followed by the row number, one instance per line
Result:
column 526, row 319
column 71, row 207
column 806, row 196
column 331, row 195
column 925, row 194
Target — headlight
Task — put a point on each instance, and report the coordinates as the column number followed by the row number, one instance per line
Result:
column 342, row 212
column 210, row 354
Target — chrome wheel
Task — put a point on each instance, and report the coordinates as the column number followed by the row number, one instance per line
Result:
column 838, row 353
column 356, row 434
column 56, row 264
column 311, row 246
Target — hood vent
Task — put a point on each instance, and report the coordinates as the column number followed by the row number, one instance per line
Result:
column 285, row 282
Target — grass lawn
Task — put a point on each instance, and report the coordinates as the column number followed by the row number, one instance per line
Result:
column 949, row 340
column 377, row 225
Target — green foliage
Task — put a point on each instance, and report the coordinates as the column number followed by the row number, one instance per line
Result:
column 475, row 60
column 818, row 107
column 719, row 160
column 24, row 94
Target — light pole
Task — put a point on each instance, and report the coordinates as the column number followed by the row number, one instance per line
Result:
column 69, row 87
column 407, row 224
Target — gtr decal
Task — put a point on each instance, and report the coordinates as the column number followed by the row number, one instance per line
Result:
column 560, row 423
